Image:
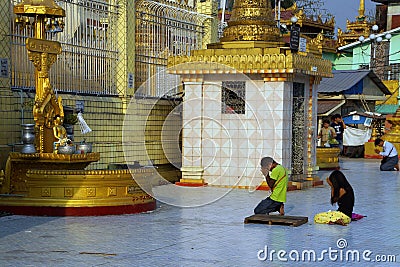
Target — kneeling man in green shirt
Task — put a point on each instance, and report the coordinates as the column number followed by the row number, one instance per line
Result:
column 276, row 177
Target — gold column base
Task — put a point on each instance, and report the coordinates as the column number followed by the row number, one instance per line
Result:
column 192, row 176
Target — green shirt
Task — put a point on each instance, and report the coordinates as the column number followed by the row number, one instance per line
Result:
column 280, row 187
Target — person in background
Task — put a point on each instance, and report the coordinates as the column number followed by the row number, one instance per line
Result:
column 390, row 161
column 341, row 193
column 277, row 181
column 339, row 126
column 388, row 126
column 326, row 133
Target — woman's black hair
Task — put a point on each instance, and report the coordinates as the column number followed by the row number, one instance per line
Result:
column 338, row 180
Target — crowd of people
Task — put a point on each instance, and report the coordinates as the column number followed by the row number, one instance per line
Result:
column 331, row 135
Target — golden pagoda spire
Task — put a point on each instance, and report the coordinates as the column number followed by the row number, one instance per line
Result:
column 251, row 20
column 355, row 29
column 361, row 10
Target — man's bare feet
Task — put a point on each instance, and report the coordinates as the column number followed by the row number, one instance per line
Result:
column 397, row 167
column 282, row 210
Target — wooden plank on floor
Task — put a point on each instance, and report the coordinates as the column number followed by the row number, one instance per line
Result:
column 276, row 219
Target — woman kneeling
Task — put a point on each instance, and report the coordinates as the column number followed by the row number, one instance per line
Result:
column 341, row 193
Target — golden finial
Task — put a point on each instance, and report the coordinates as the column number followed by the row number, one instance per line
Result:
column 361, row 10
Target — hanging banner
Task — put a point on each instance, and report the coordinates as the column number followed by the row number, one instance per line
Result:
column 355, row 137
column 294, row 38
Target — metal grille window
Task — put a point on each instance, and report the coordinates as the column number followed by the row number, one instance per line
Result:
column 163, row 30
column 233, row 97
column 90, row 53
column 167, row 84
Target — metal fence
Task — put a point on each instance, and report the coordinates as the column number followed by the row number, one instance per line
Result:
column 162, row 30
column 88, row 62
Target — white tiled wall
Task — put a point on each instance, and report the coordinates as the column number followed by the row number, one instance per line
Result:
column 229, row 146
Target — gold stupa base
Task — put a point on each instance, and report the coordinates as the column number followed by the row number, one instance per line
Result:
column 19, row 164
column 57, row 185
column 80, row 193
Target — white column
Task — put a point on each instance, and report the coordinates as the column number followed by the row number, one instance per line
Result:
column 192, row 169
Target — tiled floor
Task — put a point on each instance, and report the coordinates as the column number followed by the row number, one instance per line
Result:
column 214, row 234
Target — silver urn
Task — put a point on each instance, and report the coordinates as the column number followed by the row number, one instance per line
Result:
column 84, row 148
column 66, row 149
column 28, row 138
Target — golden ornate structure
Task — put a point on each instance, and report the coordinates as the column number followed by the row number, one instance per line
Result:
column 313, row 26
column 47, row 183
column 360, row 27
column 253, row 45
column 393, row 136
column 328, row 158
column 309, row 24
column 251, row 21
column 43, row 53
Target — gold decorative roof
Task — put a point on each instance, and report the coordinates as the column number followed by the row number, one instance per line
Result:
column 253, row 44
column 360, row 27
column 303, row 20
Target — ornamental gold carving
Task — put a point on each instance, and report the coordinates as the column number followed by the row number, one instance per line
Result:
column 268, row 63
column 43, row 46
column 91, row 191
column 251, row 20
column 112, row 191
column 46, row 192
column 68, row 192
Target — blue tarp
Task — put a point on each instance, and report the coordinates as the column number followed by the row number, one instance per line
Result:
column 354, row 119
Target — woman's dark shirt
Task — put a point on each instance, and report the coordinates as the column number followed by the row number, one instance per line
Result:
column 346, row 202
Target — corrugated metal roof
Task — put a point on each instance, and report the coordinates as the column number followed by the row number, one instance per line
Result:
column 345, row 79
